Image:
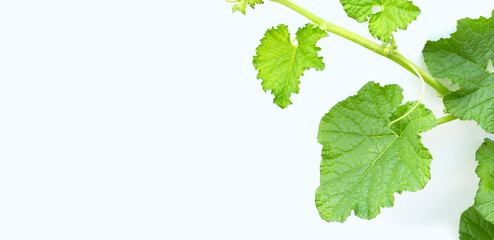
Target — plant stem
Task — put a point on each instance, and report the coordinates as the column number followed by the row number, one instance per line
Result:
column 428, row 78
column 445, row 119
column 394, row 56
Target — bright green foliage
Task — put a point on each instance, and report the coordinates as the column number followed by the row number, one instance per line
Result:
column 464, row 58
column 281, row 63
column 474, row 227
column 367, row 154
column 364, row 160
column 241, row 6
column 394, row 14
column 484, row 200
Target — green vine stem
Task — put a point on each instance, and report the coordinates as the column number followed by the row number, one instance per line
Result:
column 445, row 119
column 394, row 56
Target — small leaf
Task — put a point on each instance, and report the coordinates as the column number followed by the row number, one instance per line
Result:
column 364, row 160
column 393, row 15
column 241, row 6
column 281, row 63
column 463, row 58
column 484, row 200
column 474, row 227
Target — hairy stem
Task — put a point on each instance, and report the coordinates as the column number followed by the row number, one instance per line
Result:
column 394, row 56
column 445, row 119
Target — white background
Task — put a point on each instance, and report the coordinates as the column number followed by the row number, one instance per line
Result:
column 144, row 120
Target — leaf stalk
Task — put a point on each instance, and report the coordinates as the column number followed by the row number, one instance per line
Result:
column 445, row 119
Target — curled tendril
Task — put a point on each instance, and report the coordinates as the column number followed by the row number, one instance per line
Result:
column 418, row 102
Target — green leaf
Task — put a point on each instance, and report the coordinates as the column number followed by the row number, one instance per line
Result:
column 484, row 200
column 474, row 227
column 463, row 58
column 281, row 63
column 364, row 161
column 394, row 15
column 241, row 6
column 477, row 223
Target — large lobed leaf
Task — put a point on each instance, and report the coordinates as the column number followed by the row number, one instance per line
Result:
column 463, row 58
column 364, row 160
column 281, row 63
column 394, row 15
